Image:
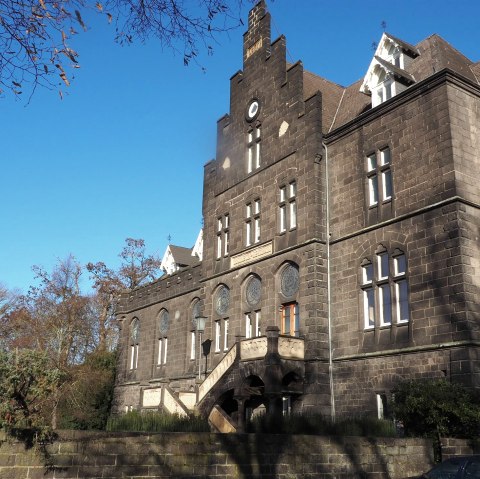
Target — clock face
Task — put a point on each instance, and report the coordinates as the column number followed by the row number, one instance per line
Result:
column 252, row 110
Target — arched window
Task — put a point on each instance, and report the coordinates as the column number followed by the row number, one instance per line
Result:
column 163, row 323
column 196, row 311
column 290, row 309
column 222, row 306
column 253, row 315
column 134, row 341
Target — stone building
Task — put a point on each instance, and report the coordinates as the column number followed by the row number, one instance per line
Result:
column 340, row 243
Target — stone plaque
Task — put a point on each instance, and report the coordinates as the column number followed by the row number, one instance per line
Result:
column 151, row 397
column 251, row 255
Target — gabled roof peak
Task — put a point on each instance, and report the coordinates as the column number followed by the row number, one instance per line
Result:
column 391, row 57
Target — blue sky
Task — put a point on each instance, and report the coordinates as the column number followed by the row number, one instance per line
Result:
column 122, row 154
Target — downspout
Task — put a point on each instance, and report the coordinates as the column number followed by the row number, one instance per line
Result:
column 329, row 308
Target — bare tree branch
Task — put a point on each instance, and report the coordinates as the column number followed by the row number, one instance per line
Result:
column 35, row 34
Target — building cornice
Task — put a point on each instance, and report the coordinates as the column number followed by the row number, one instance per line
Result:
column 405, row 216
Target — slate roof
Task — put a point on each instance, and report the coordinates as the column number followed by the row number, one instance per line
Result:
column 437, row 54
column 341, row 105
column 331, row 95
column 183, row 256
column 406, row 47
column 398, row 72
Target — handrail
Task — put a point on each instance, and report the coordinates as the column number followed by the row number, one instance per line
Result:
column 220, row 369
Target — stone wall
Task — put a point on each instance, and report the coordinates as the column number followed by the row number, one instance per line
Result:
column 132, row 455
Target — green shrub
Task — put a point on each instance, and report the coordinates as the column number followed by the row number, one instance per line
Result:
column 436, row 408
column 28, row 380
column 156, row 422
column 87, row 397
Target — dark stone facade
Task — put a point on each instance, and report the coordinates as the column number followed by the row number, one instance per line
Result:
column 314, row 144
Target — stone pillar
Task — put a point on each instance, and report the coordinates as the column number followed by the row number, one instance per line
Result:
column 241, row 413
column 273, row 332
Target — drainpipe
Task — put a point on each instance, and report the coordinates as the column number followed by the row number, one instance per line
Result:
column 329, row 308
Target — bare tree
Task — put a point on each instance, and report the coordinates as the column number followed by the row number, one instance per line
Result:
column 136, row 268
column 35, row 35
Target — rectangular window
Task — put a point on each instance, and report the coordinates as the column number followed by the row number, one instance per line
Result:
column 132, row 356
column 400, row 265
column 367, row 273
column 293, row 214
column 225, row 334
column 283, row 218
column 402, row 301
column 248, row 325
column 252, row 223
column 159, row 355
column 253, row 149
column 369, row 308
column 162, row 351
column 223, row 224
column 385, row 157
column 379, row 177
column 387, row 184
column 250, row 153
column 389, row 292
column 381, row 406
column 227, row 242
column 193, row 345
column 257, row 230
column 291, row 319
column 219, row 246
column 385, row 301
column 288, row 207
column 373, row 190
column 219, row 237
column 258, row 318
column 252, row 324
column 383, row 268
column 165, row 344
column 217, row 336
column 248, row 233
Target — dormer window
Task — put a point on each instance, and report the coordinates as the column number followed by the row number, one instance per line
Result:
column 387, row 74
column 385, row 88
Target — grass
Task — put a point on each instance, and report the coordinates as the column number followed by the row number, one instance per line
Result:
column 156, row 422
column 316, row 424
column 313, row 424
